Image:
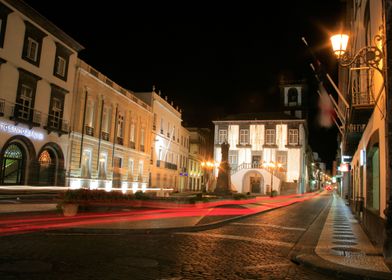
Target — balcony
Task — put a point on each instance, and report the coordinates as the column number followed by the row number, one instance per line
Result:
column 168, row 165
column 33, row 118
column 352, row 137
column 361, row 96
column 132, row 145
column 89, row 130
column 105, row 136
column 120, row 140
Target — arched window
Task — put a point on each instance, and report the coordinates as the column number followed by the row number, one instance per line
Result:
column 13, row 151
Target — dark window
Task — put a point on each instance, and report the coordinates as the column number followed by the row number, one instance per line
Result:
column 25, row 97
column 56, row 108
column 293, row 97
column 61, row 62
column 32, row 44
column 4, row 11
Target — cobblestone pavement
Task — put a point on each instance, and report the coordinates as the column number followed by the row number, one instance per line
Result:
column 252, row 248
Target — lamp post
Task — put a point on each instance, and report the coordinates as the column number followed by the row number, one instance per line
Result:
column 271, row 166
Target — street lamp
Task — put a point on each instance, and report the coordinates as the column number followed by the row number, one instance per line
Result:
column 370, row 56
column 271, row 167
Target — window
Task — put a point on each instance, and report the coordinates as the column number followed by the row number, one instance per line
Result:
column 32, row 44
column 154, row 124
column 90, row 112
column 270, row 137
column 56, row 107
column 106, row 120
column 222, row 136
column 292, row 97
column 60, row 66
column 25, row 99
column 141, row 166
column 102, row 166
column 132, row 135
column 244, row 136
column 142, row 135
column 32, row 49
column 233, row 157
column 61, row 62
column 130, row 169
column 4, row 11
column 281, row 157
column 86, row 164
column 293, row 136
column 25, row 102
column 120, row 125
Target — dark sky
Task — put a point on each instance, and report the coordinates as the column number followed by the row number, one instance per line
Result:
column 210, row 59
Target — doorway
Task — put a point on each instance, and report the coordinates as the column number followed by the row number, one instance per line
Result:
column 13, row 165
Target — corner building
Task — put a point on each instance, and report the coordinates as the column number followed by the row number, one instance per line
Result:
column 37, row 69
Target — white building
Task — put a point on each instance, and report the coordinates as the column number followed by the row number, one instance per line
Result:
column 259, row 138
column 37, row 69
column 169, row 146
column 262, row 138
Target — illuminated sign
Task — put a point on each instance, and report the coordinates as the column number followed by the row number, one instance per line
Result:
column 344, row 167
column 29, row 133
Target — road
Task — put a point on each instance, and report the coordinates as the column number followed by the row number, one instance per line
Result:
column 256, row 247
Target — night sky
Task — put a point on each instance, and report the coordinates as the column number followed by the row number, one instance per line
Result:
column 211, row 60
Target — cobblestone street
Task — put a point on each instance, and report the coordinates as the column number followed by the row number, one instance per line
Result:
column 251, row 248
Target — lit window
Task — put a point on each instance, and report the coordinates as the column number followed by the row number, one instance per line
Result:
column 86, row 164
column 222, row 136
column 270, row 137
column 130, row 169
column 244, row 136
column 102, row 166
column 293, row 136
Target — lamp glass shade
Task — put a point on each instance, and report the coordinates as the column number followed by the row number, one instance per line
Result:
column 339, row 44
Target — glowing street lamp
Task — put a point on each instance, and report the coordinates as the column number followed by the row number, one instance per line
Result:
column 370, row 56
column 271, row 167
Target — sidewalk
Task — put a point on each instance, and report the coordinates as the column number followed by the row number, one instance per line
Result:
column 334, row 244
column 342, row 249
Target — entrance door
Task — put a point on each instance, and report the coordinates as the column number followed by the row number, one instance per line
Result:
column 12, row 166
column 255, row 184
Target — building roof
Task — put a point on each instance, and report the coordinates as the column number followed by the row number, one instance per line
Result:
column 36, row 17
column 262, row 116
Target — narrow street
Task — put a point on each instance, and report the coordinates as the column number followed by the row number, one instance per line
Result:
column 257, row 247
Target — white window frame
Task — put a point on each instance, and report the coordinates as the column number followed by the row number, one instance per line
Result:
column 106, row 116
column 132, row 132
column 270, row 136
column 130, row 168
column 293, row 137
column 26, row 97
column 61, row 66
column 244, row 136
column 32, row 53
column 141, row 167
column 222, row 136
column 120, row 125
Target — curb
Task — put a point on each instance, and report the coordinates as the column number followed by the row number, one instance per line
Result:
column 317, row 263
